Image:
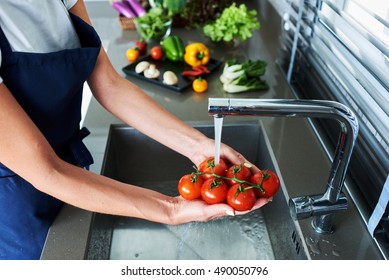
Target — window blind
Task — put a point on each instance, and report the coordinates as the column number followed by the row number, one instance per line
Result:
column 339, row 50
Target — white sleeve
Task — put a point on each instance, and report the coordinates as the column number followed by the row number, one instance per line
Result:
column 69, row 3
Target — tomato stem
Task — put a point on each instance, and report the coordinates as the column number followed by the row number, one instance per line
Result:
column 239, row 190
column 241, row 182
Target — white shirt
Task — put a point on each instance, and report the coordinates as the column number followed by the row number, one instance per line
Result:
column 38, row 26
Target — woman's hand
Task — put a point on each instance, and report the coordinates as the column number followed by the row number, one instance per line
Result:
column 198, row 210
column 207, row 149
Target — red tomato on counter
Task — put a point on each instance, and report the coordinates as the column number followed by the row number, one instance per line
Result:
column 156, row 53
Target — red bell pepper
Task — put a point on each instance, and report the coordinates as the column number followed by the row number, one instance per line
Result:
column 196, row 71
column 141, row 44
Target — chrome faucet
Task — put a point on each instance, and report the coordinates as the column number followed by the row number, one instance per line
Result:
column 320, row 206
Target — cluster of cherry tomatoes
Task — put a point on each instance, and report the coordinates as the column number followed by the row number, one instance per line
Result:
column 233, row 184
column 140, row 48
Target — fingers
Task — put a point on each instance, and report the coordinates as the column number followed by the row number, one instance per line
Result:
column 237, row 158
column 258, row 204
column 230, row 212
column 225, row 210
column 198, row 210
column 252, row 167
column 220, row 210
column 234, row 156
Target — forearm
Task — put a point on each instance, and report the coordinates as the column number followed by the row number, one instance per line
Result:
column 26, row 152
column 100, row 194
column 96, row 193
column 130, row 104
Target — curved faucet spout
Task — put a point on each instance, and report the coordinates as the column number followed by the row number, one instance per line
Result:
column 332, row 199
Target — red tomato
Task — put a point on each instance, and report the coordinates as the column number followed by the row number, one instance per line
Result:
column 214, row 191
column 156, row 53
column 240, row 172
column 208, row 166
column 240, row 198
column 189, row 186
column 141, row 44
column 269, row 182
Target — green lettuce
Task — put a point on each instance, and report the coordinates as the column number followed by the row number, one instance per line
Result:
column 234, row 22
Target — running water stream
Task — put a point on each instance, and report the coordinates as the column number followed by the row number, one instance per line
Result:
column 218, row 124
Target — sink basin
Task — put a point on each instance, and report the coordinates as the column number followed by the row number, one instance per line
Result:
column 266, row 233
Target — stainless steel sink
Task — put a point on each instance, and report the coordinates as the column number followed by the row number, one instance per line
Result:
column 267, row 233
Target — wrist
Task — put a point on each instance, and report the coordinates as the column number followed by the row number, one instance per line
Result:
column 175, row 211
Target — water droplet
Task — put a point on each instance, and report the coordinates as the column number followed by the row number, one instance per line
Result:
column 313, row 245
column 336, row 253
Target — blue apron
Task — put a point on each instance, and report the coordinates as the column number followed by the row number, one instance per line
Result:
column 49, row 88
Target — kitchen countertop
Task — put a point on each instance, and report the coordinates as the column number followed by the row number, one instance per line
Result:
column 297, row 149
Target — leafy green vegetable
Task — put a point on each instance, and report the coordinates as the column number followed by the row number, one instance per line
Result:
column 255, row 68
column 174, row 7
column 244, row 83
column 238, row 77
column 154, row 24
column 197, row 13
column 234, row 22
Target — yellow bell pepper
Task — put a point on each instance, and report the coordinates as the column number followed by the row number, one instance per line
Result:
column 196, row 54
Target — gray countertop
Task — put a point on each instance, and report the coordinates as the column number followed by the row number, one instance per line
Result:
column 297, row 149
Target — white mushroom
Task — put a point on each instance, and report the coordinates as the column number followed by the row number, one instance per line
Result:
column 141, row 66
column 151, row 72
column 170, row 78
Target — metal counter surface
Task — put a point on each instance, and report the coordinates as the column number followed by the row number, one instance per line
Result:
column 302, row 160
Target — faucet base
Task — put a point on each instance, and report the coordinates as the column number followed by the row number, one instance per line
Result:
column 318, row 207
column 323, row 224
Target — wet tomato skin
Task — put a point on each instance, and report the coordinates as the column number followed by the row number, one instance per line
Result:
column 241, row 198
column 269, row 182
column 238, row 171
column 189, row 186
column 214, row 191
column 208, row 165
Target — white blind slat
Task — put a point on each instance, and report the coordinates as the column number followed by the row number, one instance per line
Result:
column 350, row 38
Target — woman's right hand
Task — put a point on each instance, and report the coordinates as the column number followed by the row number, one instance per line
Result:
column 185, row 211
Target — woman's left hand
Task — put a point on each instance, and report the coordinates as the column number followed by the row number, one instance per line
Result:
column 226, row 152
column 198, row 210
